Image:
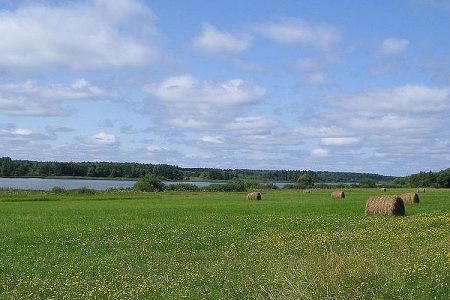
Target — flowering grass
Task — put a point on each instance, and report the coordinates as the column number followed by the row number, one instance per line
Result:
column 199, row 245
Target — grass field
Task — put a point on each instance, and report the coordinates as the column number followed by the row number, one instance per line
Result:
column 219, row 246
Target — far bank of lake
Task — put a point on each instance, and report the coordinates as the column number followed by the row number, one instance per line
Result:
column 97, row 184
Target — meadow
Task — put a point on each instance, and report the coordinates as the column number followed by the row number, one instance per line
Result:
column 213, row 245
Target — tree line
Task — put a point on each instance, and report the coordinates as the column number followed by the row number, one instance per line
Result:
column 27, row 168
column 439, row 179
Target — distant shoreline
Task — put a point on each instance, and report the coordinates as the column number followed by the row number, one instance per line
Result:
column 108, row 178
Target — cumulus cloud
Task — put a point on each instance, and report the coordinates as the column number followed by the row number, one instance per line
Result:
column 212, row 139
column 186, row 88
column 296, row 31
column 21, row 131
column 339, row 141
column 80, row 36
column 213, row 41
column 319, row 152
column 156, row 149
column 32, row 99
column 252, row 125
column 392, row 46
column 190, row 103
column 103, row 138
column 406, row 98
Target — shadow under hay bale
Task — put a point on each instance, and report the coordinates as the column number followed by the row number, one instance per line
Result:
column 383, row 190
column 385, row 205
column 306, row 192
column 410, row 198
column 338, row 194
column 421, row 190
column 254, row 196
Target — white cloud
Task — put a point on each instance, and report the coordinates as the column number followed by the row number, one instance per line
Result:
column 406, row 98
column 81, row 36
column 103, row 138
column 252, row 125
column 296, row 31
column 213, row 41
column 339, row 141
column 319, row 152
column 212, row 139
column 21, row 131
column 187, row 89
column 30, row 98
column 156, row 149
column 392, row 46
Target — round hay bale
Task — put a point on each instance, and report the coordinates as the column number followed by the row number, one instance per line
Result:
column 306, row 192
column 338, row 194
column 385, row 205
column 410, row 198
column 383, row 190
column 254, row 196
column 421, row 190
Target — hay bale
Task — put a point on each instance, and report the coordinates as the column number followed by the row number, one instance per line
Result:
column 306, row 192
column 383, row 190
column 338, row 194
column 385, row 205
column 254, row 196
column 410, row 198
column 421, row 190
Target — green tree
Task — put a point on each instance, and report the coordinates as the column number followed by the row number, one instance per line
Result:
column 367, row 183
column 443, row 178
column 305, row 181
column 149, row 183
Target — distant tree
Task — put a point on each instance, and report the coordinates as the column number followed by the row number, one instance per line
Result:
column 367, row 183
column 149, row 183
column 305, row 181
column 443, row 178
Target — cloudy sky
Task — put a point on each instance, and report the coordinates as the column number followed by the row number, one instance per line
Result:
column 324, row 85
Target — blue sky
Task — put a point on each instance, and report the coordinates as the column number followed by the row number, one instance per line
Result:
column 358, row 86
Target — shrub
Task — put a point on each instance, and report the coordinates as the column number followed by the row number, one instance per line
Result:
column 305, row 181
column 235, row 185
column 367, row 183
column 270, row 186
column 182, row 187
column 289, row 186
column 58, row 190
column 84, row 191
column 149, row 183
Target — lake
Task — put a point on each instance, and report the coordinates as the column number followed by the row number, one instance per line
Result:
column 69, row 184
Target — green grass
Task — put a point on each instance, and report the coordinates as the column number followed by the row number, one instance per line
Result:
column 219, row 246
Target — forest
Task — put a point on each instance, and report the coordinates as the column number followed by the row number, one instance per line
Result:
column 27, row 168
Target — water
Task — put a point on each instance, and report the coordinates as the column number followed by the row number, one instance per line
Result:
column 68, row 184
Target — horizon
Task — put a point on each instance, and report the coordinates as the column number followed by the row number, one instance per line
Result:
column 362, row 87
column 183, row 167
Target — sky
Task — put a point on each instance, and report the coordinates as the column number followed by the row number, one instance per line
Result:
column 361, row 86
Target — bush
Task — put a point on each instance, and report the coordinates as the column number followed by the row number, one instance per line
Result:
column 84, row 191
column 249, row 183
column 270, row 186
column 149, row 183
column 58, row 190
column 367, row 183
column 235, row 185
column 305, row 181
column 182, row 187
column 289, row 186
